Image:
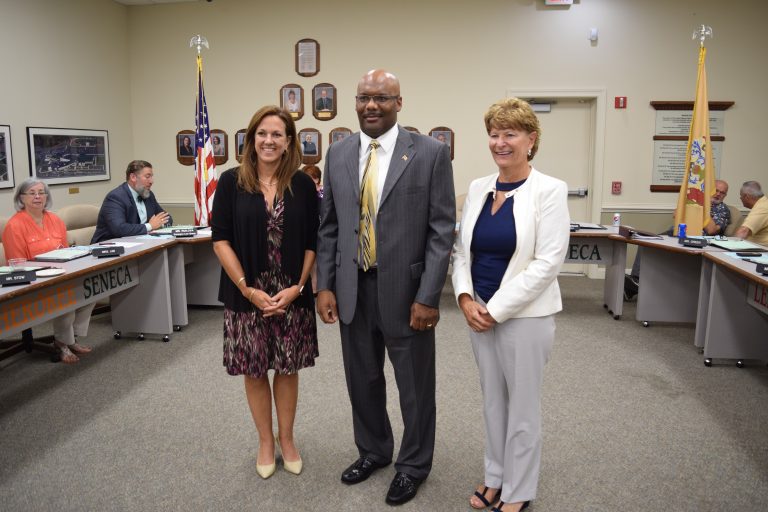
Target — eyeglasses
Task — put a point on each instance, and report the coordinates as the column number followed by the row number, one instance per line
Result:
column 363, row 99
column 35, row 194
column 724, row 192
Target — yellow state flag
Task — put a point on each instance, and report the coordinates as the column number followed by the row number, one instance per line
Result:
column 694, row 202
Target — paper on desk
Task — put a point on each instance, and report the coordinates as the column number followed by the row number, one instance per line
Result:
column 154, row 237
column 127, row 245
column 206, row 231
column 588, row 225
column 638, row 236
column 737, row 245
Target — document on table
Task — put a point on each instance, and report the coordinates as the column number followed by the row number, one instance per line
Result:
column 587, row 225
column 737, row 245
column 126, row 245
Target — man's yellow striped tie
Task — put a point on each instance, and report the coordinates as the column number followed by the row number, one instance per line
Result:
column 368, row 204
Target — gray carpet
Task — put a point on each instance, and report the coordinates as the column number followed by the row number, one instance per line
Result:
column 632, row 421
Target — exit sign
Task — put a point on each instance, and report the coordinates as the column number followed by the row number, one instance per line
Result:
column 558, row 2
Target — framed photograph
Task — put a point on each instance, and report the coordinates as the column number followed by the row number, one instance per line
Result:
column 239, row 143
column 338, row 134
column 411, row 129
column 6, row 158
column 68, row 155
column 444, row 135
column 220, row 147
column 310, row 144
column 307, row 57
column 292, row 100
column 324, row 101
column 185, row 147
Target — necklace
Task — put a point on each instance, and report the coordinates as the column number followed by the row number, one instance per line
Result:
column 266, row 183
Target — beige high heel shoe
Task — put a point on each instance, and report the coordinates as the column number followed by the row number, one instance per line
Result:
column 291, row 466
column 266, row 470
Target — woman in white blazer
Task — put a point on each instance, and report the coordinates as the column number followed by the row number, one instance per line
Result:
column 512, row 242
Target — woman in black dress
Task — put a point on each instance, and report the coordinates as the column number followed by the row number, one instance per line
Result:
column 264, row 222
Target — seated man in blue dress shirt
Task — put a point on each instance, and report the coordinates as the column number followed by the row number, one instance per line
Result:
column 131, row 209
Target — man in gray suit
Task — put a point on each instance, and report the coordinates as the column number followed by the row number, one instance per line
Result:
column 386, row 291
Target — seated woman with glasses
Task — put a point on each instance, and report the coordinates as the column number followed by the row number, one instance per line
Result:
column 34, row 230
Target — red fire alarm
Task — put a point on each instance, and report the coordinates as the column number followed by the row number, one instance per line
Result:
column 620, row 102
column 615, row 188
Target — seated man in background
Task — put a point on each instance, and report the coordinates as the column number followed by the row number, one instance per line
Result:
column 721, row 218
column 131, row 209
column 721, row 215
column 755, row 226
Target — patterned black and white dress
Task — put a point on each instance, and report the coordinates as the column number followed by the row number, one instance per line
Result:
column 286, row 343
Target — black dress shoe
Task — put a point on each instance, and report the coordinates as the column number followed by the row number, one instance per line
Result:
column 402, row 489
column 360, row 470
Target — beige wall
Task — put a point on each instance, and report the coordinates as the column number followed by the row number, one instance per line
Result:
column 453, row 57
column 64, row 65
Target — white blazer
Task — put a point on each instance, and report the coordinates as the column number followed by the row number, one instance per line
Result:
column 529, row 287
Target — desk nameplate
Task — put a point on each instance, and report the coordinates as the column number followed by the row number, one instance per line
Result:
column 757, row 297
column 43, row 304
column 589, row 251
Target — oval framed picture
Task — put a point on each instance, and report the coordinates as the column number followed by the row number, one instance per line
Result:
column 444, row 135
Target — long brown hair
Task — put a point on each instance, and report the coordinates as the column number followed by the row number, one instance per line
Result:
column 247, row 176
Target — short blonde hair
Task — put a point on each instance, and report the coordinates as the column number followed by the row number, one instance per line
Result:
column 516, row 114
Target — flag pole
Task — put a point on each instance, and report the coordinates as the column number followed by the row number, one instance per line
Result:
column 205, row 167
column 694, row 201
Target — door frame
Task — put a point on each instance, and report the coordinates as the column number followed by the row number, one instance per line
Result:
column 596, row 151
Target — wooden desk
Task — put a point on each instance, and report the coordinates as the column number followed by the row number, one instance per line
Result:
column 202, row 269
column 669, row 280
column 138, row 284
column 732, row 318
column 603, row 247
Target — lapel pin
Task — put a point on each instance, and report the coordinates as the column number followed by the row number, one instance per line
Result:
column 405, row 158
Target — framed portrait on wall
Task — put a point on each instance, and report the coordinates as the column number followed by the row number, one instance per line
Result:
column 68, row 155
column 324, row 101
column 185, row 147
column 292, row 100
column 6, row 158
column 338, row 134
column 220, row 147
column 311, row 146
column 444, row 135
column 239, row 143
column 307, row 57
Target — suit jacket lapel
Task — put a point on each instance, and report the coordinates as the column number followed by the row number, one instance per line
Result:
column 401, row 157
column 352, row 162
column 133, row 209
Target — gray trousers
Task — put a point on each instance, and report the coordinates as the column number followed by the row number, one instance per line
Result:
column 511, row 358
column 363, row 345
column 74, row 323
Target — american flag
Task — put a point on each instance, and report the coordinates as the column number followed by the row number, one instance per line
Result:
column 205, row 168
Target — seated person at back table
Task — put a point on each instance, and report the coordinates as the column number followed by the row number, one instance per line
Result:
column 131, row 209
column 34, row 230
column 755, row 226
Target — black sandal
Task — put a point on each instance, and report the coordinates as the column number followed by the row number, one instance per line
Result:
column 481, row 497
column 501, row 504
